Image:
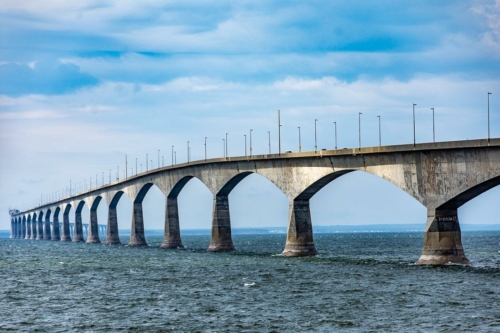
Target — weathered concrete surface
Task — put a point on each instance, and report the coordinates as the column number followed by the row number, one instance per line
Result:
column 442, row 176
column 39, row 234
column 66, row 234
column 56, row 235
column 172, row 233
column 112, row 235
column 33, row 227
column 137, row 230
column 299, row 239
column 28, row 229
column 46, row 231
column 93, row 233
column 78, row 232
column 442, row 239
column 221, row 226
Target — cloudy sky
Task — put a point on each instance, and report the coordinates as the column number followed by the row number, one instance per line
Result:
column 83, row 83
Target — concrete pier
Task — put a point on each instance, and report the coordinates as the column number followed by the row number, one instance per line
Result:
column 93, row 230
column 442, row 239
column 66, row 235
column 39, row 234
column 78, row 234
column 172, row 234
column 299, row 239
column 221, row 226
column 56, row 235
column 33, row 227
column 28, row 228
column 137, row 237
column 112, row 235
column 46, row 232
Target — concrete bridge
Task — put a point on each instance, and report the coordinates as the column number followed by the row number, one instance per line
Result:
column 441, row 176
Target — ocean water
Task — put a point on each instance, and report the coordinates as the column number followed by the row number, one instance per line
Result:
column 359, row 282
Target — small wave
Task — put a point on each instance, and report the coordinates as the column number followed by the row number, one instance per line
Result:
column 251, row 284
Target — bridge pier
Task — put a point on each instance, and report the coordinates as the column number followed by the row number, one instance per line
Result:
column 33, row 229
column 93, row 229
column 137, row 237
column 46, row 231
column 442, row 239
column 56, row 236
column 66, row 236
column 22, row 232
column 172, row 234
column 39, row 234
column 221, row 226
column 28, row 229
column 299, row 239
column 112, row 235
column 78, row 234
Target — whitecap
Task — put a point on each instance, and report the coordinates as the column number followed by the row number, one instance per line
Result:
column 249, row 284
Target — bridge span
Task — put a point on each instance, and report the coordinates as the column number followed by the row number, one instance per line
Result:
column 442, row 176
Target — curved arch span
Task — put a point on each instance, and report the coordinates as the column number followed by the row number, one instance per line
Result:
column 469, row 194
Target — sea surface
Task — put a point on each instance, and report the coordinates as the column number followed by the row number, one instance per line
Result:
column 359, row 282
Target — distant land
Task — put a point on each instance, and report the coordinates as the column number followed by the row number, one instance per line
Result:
column 317, row 229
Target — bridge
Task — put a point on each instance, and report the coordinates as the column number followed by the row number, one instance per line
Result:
column 441, row 176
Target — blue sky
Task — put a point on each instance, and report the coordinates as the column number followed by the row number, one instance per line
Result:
column 82, row 84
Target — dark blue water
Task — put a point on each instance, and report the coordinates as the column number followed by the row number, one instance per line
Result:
column 360, row 282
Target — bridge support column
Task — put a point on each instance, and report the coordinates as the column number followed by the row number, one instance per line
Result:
column 299, row 239
column 137, row 231
column 28, row 230
column 442, row 239
column 39, row 234
column 22, row 231
column 56, row 235
column 66, row 236
column 172, row 234
column 78, row 234
column 46, row 231
column 16, row 230
column 112, row 236
column 33, row 229
column 93, row 233
column 12, row 228
column 221, row 226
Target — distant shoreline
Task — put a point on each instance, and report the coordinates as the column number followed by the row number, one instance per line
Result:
column 366, row 228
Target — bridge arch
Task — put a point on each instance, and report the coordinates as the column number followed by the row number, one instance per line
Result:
column 56, row 235
column 112, row 230
column 29, row 228
column 39, row 235
column 47, row 235
column 66, row 227
column 469, row 194
column 78, row 228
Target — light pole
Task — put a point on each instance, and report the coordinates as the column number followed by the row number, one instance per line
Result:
column 414, row 138
column 188, row 151
column 226, row 146
column 158, row 158
column 300, row 145
column 245, row 144
column 315, row 137
column 279, row 133
column 433, row 128
column 205, row 148
column 269, row 140
column 335, row 124
column 117, row 172
column 489, row 116
column 379, row 132
column 359, row 130
column 251, row 142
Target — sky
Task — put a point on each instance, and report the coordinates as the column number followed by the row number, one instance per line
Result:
column 84, row 83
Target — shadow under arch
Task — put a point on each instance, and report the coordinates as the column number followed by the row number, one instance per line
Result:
column 93, row 228
column 28, row 227
column 24, row 228
column 137, row 235
column 66, row 232
column 56, row 236
column 46, row 230
column 171, row 234
column 39, row 235
column 112, row 233
column 34, row 226
column 78, row 227
column 469, row 194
